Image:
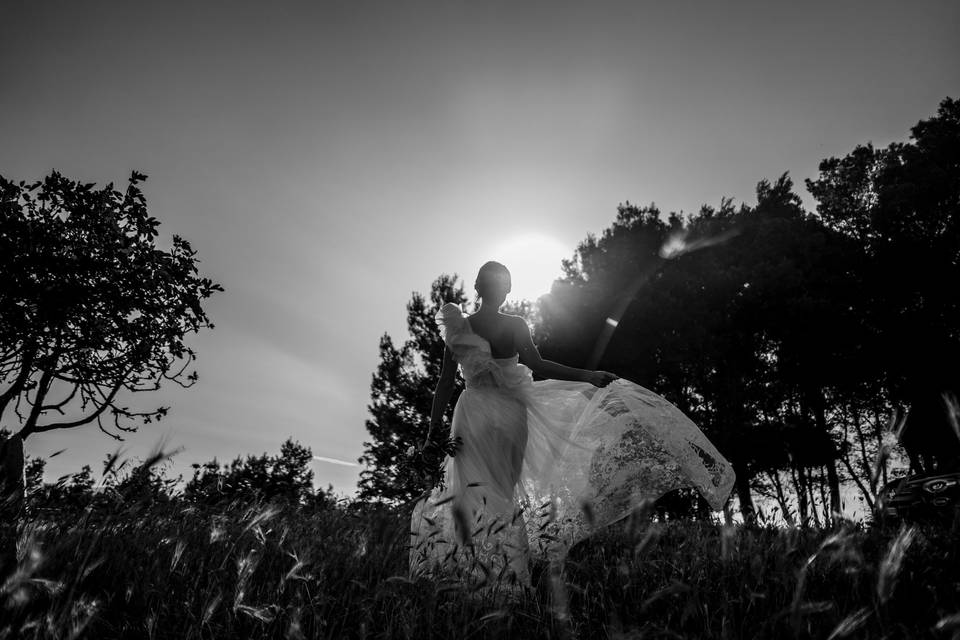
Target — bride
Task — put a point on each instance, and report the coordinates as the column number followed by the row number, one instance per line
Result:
column 542, row 464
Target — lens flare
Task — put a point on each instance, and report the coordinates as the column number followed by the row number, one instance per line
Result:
column 677, row 245
column 674, row 246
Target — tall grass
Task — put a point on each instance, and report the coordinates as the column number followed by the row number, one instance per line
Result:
column 269, row 571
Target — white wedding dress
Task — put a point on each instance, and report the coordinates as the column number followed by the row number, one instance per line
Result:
column 542, row 464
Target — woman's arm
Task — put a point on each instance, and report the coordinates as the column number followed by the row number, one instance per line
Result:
column 548, row 368
column 442, row 393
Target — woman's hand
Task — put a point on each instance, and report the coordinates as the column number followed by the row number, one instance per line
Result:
column 601, row 378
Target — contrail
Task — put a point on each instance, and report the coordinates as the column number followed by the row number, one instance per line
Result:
column 343, row 463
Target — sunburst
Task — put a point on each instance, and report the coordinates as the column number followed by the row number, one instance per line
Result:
column 534, row 263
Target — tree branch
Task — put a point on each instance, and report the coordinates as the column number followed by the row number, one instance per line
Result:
column 866, row 493
column 17, row 386
column 59, row 406
column 76, row 423
column 112, row 435
column 175, row 377
column 9, row 353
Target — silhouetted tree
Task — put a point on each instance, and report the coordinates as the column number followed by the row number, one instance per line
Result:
column 69, row 493
column 286, row 477
column 745, row 337
column 902, row 205
column 802, row 297
column 90, row 307
column 126, row 483
column 401, row 399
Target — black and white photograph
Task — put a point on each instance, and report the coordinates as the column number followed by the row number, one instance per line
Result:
column 479, row 319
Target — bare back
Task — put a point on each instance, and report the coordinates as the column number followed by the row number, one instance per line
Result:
column 499, row 330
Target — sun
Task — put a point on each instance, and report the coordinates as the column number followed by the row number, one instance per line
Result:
column 534, row 263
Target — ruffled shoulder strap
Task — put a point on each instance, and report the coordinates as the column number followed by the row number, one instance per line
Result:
column 451, row 321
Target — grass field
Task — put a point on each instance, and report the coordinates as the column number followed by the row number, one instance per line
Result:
column 178, row 571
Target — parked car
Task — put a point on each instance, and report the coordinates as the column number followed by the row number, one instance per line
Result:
column 920, row 497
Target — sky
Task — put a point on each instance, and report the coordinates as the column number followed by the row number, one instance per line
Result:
column 327, row 159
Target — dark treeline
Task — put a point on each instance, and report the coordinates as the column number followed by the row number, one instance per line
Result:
column 283, row 478
column 800, row 341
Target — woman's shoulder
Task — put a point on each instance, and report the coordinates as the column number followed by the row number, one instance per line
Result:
column 508, row 316
column 450, row 318
column 514, row 320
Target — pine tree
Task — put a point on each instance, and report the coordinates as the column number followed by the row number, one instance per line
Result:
column 401, row 399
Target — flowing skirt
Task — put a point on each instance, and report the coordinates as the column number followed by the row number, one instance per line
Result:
column 543, row 464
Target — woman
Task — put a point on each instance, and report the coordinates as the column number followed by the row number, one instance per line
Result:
column 542, row 463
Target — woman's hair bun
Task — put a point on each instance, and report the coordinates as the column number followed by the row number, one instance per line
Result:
column 492, row 276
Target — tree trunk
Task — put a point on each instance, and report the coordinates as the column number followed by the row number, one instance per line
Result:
column 12, row 489
column 742, row 485
column 785, row 509
column 868, row 496
column 800, row 486
column 12, row 482
column 833, row 480
column 811, row 485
